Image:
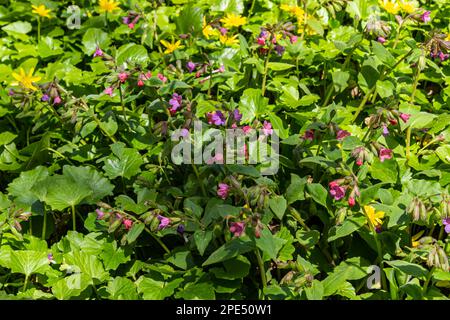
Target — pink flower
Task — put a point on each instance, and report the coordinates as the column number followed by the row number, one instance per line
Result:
column 237, row 228
column 405, row 117
column 175, row 102
column 123, row 76
column 223, row 190
column 163, row 222
column 443, row 56
column 100, row 214
column 162, row 78
column 341, row 134
column 57, row 100
column 246, row 129
column 127, row 223
column 309, row 135
column 385, row 131
column 351, row 201
column 426, row 16
column 140, row 83
column 190, row 66
column 385, row 154
column 336, row 191
column 381, row 40
column 261, row 41
column 293, row 39
column 223, row 30
column 446, row 223
column 359, row 162
column 131, row 25
column 109, row 91
column 216, row 118
column 98, row 52
column 218, row 158
column 267, row 128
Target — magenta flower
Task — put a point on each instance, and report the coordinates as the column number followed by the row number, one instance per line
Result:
column 267, row 128
column 45, row 97
column 100, row 214
column 443, row 56
column 237, row 228
column 385, row 154
column 162, row 78
column 426, row 16
column 246, row 129
column 223, row 30
column 309, row 135
column 381, row 40
column 446, row 223
column 264, row 34
column 261, row 41
column 405, row 117
column 190, row 66
column 293, row 39
column 11, row 92
column 216, row 118
column 140, row 83
column 98, row 52
column 336, row 191
column 126, row 20
column 109, row 91
column 163, row 222
column 341, row 134
column 127, row 223
column 57, row 100
column 351, row 201
column 223, row 190
column 175, row 102
column 123, row 76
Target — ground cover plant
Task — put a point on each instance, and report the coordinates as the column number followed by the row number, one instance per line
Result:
column 93, row 206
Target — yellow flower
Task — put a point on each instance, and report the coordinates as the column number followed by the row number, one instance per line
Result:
column 208, row 30
column 224, row 39
column 390, row 6
column 41, row 10
column 232, row 20
column 408, row 6
column 375, row 218
column 26, row 80
column 448, row 37
column 171, row 47
column 108, row 5
column 416, row 237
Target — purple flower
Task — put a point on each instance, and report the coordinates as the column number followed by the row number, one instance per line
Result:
column 126, row 20
column 267, row 128
column 100, row 214
column 50, row 257
column 163, row 222
column 237, row 228
column 180, row 228
column 264, row 34
column 11, row 92
column 98, row 52
column 446, row 223
column 385, row 131
column 175, row 102
column 190, row 66
column 236, row 115
column 45, row 97
column 426, row 16
column 443, row 56
column 279, row 49
column 57, row 100
column 341, row 134
column 184, row 132
column 216, row 118
column 381, row 40
column 223, row 190
column 336, row 191
column 385, row 154
column 223, row 30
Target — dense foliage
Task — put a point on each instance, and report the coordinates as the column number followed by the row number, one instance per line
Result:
column 92, row 206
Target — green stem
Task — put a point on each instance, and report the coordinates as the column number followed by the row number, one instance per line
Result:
column 408, row 144
column 427, row 281
column 25, row 283
column 122, row 104
column 262, row 270
column 380, row 258
column 250, row 11
column 74, row 221
column 199, row 180
column 44, row 225
column 39, row 29
column 266, row 70
column 158, row 240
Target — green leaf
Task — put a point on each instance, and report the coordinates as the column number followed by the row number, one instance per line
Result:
column 318, row 193
column 278, row 206
column 369, row 194
column 112, row 256
column 252, row 104
column 87, row 264
column 94, row 38
column 279, row 66
column 269, row 244
column 132, row 53
column 197, row 291
column 349, row 226
column 295, row 191
column 385, row 171
column 340, row 79
column 126, row 162
column 152, row 289
column 443, row 153
column 135, row 232
column 409, row 268
column 315, row 291
column 202, row 239
column 28, row 262
column 230, row 250
column 121, row 288
column 21, row 187
column 383, row 54
column 7, row 137
column 190, row 20
column 307, row 238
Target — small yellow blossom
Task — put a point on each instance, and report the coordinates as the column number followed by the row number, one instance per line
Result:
column 41, row 10
column 408, row 6
column 108, row 5
column 171, row 47
column 208, row 30
column 448, row 37
column 390, row 6
column 26, row 80
column 233, row 20
column 224, row 39
column 415, row 238
column 375, row 218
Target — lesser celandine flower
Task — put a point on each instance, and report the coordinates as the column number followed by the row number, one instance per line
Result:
column 171, row 47
column 374, row 217
column 226, row 40
column 390, row 6
column 233, row 20
column 208, row 30
column 408, row 6
column 26, row 80
column 108, row 5
column 41, row 10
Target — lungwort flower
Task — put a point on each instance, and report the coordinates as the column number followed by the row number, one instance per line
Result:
column 374, row 217
column 108, row 5
column 233, row 20
column 41, row 11
column 26, row 80
column 171, row 47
